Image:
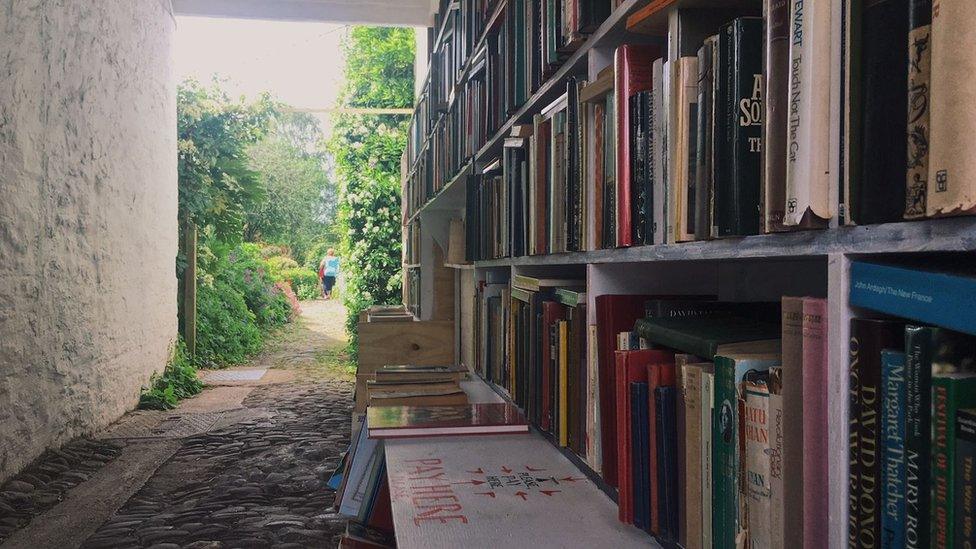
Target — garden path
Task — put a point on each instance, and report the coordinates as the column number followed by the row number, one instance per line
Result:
column 244, row 464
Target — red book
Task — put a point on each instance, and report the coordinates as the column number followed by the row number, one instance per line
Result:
column 659, row 374
column 436, row 421
column 614, row 314
column 632, row 366
column 815, row 464
column 552, row 312
column 632, row 74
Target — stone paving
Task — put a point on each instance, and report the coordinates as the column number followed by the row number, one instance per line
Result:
column 253, row 476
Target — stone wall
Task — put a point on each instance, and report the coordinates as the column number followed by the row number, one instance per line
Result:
column 88, row 231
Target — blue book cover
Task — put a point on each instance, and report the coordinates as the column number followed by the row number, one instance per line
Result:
column 893, row 471
column 942, row 298
column 645, row 455
column 639, row 454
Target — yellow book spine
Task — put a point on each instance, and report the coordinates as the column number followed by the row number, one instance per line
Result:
column 563, row 386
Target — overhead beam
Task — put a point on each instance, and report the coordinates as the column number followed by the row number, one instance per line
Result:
column 393, row 13
column 348, row 110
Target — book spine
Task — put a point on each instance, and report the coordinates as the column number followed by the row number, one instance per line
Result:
column 777, row 436
column 563, row 384
column 622, row 439
column 658, row 158
column 808, row 134
column 949, row 395
column 777, row 108
column 918, row 402
column 816, row 475
column 667, row 463
column 757, row 464
column 868, row 338
column 725, row 457
column 919, row 72
column 952, row 172
column 691, row 501
column 632, row 74
column 703, row 148
column 687, row 142
column 893, row 449
column 965, row 496
column 794, row 401
column 707, row 412
column 636, row 481
column 737, row 186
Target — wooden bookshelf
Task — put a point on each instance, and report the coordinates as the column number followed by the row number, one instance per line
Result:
column 451, row 195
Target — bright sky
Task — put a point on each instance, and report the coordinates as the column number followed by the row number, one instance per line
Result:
column 299, row 63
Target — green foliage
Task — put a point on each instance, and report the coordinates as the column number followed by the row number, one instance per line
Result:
column 318, row 250
column 367, row 151
column 179, row 381
column 305, row 282
column 278, row 264
column 227, row 332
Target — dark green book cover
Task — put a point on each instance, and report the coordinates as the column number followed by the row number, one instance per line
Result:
column 738, row 135
column 702, row 336
column 918, row 414
column 950, row 392
column 730, row 371
column 965, row 534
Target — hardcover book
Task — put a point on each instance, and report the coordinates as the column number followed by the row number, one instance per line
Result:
column 893, row 448
column 691, row 497
column 429, row 421
column 965, row 496
column 682, row 181
column 667, row 477
column 702, row 336
column 868, row 338
column 660, row 373
column 919, row 87
column 776, row 115
column 950, row 392
column 777, row 434
column 631, row 368
column 738, row 142
column 705, row 123
column 816, row 476
column 920, row 344
column 755, row 431
column 793, row 400
column 708, row 412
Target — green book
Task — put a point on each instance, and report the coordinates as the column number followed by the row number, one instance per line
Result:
column 570, row 297
column 702, row 336
column 732, row 363
column 950, row 393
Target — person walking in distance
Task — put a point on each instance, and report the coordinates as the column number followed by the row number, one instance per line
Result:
column 329, row 267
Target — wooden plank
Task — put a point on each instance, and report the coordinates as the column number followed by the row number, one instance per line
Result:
column 429, row 343
column 498, row 491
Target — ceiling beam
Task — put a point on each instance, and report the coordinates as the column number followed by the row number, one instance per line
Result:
column 394, row 13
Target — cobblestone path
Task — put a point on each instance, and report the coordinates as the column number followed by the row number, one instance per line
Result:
column 247, row 463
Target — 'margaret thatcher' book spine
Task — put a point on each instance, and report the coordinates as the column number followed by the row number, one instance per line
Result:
column 868, row 338
column 737, row 180
column 808, row 120
column 952, row 116
column 919, row 69
column 893, row 444
column 777, row 107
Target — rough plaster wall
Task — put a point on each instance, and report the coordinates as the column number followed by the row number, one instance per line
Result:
column 88, row 229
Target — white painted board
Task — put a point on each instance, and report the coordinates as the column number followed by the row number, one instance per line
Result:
column 498, row 491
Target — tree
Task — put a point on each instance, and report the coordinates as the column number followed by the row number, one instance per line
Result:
column 367, row 151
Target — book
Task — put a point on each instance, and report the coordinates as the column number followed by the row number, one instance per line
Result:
column 950, row 392
column 965, row 495
column 632, row 74
column 777, row 436
column 691, row 498
column 708, row 412
column 534, row 284
column 816, row 475
column 563, row 386
column 732, row 363
column 952, row 187
column 808, row 117
column 757, row 490
column 660, row 373
column 614, row 313
column 641, row 168
column 877, row 194
column 705, row 124
column 682, row 181
column 868, row 337
column 418, row 398
column 594, row 451
column 373, row 386
column 428, row 421
column 919, row 86
column 552, row 313
column 919, row 348
column 777, row 69
column 639, row 433
column 893, row 398
column 925, row 292
column 738, row 131
column 793, row 400
column 667, row 478
column 702, row 336
column 365, row 452
column 659, row 117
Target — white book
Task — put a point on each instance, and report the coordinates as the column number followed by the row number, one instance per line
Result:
column 808, row 119
column 668, row 120
column 707, row 400
column 684, row 161
column 658, row 156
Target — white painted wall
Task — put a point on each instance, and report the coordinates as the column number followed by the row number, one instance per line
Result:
column 88, row 231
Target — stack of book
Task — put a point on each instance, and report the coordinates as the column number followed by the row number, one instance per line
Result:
column 410, row 385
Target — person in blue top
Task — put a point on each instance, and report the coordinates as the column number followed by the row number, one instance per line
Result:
column 329, row 267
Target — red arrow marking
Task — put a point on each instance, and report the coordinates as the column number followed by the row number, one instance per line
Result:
column 571, row 479
column 521, row 495
column 477, row 471
column 492, row 494
column 506, row 469
column 549, row 492
column 527, row 468
column 474, row 482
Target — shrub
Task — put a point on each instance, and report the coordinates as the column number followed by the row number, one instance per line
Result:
column 278, row 264
column 248, row 273
column 227, row 332
column 305, row 282
column 179, row 381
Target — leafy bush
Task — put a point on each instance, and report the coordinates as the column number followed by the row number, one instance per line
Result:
column 249, row 274
column 227, row 332
column 179, row 381
column 278, row 264
column 315, row 254
column 305, row 282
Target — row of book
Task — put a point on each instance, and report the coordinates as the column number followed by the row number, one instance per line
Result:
column 483, row 69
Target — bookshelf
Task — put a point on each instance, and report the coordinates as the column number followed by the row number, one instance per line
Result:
column 748, row 268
